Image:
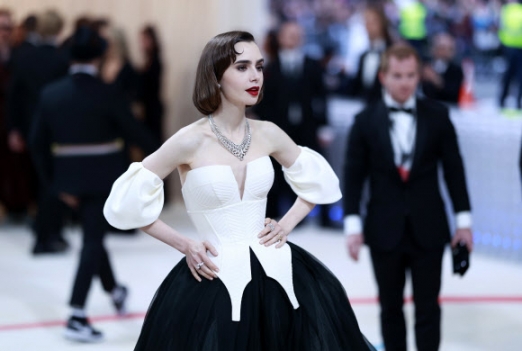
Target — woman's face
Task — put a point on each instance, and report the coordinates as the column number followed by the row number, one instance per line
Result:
column 242, row 80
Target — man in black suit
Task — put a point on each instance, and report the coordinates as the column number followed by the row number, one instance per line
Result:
column 31, row 37
column 294, row 99
column 398, row 144
column 35, row 66
column 366, row 83
column 77, row 143
column 442, row 78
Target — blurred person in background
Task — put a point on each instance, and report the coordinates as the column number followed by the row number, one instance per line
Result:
column 398, row 143
column 295, row 100
column 270, row 45
column 151, row 108
column 366, row 84
column 6, row 28
column 77, row 143
column 461, row 27
column 102, row 26
column 28, row 37
column 151, row 76
column 442, row 77
column 33, row 68
column 412, row 25
column 510, row 35
column 81, row 21
column 484, row 18
column 117, row 70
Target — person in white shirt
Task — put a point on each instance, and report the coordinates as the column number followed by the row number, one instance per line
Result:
column 397, row 144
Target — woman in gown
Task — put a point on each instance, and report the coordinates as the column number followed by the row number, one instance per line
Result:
column 243, row 286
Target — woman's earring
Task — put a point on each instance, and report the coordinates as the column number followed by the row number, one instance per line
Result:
column 219, row 86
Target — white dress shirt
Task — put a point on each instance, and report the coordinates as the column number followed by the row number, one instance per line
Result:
column 291, row 61
column 403, row 132
column 371, row 63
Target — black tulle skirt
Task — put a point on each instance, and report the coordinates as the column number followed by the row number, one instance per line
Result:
column 186, row 315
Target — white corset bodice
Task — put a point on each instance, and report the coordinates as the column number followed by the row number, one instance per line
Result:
column 232, row 223
column 223, row 217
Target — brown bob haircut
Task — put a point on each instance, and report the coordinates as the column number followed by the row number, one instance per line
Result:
column 217, row 56
column 400, row 51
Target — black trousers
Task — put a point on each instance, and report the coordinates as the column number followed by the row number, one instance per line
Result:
column 48, row 223
column 94, row 259
column 514, row 71
column 424, row 267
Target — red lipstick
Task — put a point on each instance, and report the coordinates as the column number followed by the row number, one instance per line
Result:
column 254, row 91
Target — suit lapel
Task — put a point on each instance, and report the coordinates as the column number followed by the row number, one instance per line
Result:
column 421, row 135
column 383, row 128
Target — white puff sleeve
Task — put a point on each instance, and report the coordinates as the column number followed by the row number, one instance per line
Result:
column 136, row 198
column 312, row 178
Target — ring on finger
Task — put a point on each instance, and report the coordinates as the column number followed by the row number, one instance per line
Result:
column 271, row 226
column 199, row 265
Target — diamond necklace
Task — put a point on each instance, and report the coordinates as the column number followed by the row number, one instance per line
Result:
column 237, row 150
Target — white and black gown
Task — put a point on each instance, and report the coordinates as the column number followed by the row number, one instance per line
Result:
column 265, row 299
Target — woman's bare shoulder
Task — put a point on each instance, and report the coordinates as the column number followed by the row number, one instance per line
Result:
column 266, row 128
column 180, row 148
column 188, row 138
column 278, row 143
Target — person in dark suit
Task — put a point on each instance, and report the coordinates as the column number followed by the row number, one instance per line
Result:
column 366, row 84
column 29, row 37
column 442, row 78
column 398, row 144
column 117, row 69
column 151, row 75
column 295, row 100
column 33, row 68
column 77, row 143
column 6, row 30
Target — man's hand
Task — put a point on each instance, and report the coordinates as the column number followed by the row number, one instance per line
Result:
column 354, row 243
column 465, row 236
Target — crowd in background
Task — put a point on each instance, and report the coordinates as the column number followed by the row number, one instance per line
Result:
column 335, row 32
column 336, row 27
column 459, row 42
column 35, row 52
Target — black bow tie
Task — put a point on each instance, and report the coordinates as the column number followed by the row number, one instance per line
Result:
column 401, row 109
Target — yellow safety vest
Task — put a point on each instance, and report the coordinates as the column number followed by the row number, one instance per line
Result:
column 413, row 21
column 510, row 33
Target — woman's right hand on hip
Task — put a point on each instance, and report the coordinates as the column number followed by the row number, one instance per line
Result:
column 198, row 262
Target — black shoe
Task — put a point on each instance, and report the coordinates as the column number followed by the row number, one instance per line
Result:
column 79, row 329
column 119, row 298
column 49, row 248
